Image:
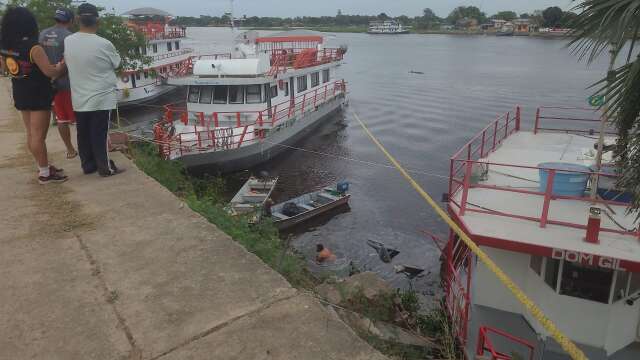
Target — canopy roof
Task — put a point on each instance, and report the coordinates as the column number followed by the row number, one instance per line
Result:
column 147, row 11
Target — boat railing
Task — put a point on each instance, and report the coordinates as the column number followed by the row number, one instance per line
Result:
column 229, row 130
column 565, row 119
column 486, row 345
column 170, row 55
column 172, row 33
column 300, row 58
column 472, row 158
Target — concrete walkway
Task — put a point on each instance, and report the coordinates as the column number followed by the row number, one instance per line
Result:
column 116, row 268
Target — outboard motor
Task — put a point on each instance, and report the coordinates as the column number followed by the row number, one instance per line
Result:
column 342, row 187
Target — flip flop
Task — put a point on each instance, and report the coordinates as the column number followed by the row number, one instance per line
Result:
column 71, row 155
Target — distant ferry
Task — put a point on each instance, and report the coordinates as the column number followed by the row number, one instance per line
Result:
column 389, row 27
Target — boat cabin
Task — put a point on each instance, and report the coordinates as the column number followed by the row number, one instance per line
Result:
column 163, row 47
column 525, row 198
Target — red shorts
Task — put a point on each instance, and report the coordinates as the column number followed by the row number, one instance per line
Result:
column 62, row 107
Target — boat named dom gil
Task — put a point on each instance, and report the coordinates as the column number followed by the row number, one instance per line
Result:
column 246, row 107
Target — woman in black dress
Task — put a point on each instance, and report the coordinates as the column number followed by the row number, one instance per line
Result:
column 31, row 73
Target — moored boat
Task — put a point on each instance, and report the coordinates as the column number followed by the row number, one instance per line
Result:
column 387, row 27
column 246, row 107
column 307, row 206
column 574, row 254
column 164, row 48
column 251, row 198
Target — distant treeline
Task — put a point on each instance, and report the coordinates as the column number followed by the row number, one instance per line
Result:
column 549, row 17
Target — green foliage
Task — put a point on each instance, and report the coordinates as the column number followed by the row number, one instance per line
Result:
column 614, row 25
column 505, row 15
column 112, row 27
column 428, row 20
column 466, row 12
column 205, row 196
column 552, row 16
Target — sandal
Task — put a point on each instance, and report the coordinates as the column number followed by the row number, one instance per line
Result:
column 72, row 154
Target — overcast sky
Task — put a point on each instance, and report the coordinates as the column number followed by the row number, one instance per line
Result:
column 289, row 8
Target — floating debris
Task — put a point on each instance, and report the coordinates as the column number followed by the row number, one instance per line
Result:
column 385, row 253
column 409, row 271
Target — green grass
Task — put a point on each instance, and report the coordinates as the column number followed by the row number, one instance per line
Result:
column 205, row 196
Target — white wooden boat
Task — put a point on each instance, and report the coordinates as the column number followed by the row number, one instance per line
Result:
column 252, row 196
column 307, row 206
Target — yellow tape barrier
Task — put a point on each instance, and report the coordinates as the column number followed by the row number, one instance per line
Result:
column 566, row 344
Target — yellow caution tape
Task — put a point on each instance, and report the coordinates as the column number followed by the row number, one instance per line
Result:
column 566, row 344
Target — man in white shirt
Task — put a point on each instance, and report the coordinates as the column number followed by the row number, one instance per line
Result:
column 91, row 61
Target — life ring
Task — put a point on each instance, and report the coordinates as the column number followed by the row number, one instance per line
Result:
column 124, row 79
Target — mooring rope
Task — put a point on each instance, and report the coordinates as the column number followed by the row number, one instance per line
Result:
column 566, row 344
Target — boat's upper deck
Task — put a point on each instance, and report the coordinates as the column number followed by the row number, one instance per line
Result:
column 496, row 193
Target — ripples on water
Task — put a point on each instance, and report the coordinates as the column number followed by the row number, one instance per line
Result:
column 421, row 118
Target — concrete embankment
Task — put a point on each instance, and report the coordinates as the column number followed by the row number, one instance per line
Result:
column 118, row 268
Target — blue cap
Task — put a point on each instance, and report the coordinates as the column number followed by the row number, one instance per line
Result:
column 63, row 15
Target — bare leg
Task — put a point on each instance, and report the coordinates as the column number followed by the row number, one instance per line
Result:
column 39, row 127
column 26, row 118
column 65, row 134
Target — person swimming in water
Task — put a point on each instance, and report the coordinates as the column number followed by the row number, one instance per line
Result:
column 324, row 254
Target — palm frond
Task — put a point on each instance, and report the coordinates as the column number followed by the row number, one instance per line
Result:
column 601, row 23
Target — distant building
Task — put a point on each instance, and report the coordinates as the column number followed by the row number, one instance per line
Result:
column 498, row 23
column 467, row 24
column 522, row 26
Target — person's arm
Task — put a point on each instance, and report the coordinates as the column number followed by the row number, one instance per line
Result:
column 39, row 57
column 113, row 55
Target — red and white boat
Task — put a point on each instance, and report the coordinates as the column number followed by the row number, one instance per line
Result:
column 522, row 197
column 246, row 107
column 164, row 47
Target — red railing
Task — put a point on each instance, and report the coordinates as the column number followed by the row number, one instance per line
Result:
column 229, row 130
column 485, row 344
column 463, row 163
column 481, row 145
column 299, row 58
column 578, row 117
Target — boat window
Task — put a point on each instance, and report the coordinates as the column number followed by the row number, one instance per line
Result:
column 315, row 79
column 586, row 282
column 325, row 76
column 254, row 95
column 286, row 89
column 302, row 83
column 551, row 273
column 169, row 46
column 155, row 48
column 205, row 94
column 622, row 282
column 220, row 94
column 536, row 264
column 177, row 45
column 236, row 94
column 194, row 93
column 274, row 91
column 144, row 50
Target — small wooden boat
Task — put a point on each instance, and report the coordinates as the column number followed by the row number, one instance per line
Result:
column 252, row 196
column 309, row 205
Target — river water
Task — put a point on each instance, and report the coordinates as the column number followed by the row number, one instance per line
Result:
column 422, row 119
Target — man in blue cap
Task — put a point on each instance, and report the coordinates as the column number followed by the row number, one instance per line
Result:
column 52, row 40
column 92, row 61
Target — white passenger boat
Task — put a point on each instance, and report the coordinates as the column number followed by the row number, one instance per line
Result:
column 246, row 107
column 576, row 257
column 387, row 27
column 164, row 47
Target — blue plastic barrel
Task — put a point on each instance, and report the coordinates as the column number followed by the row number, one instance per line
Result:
column 607, row 185
column 566, row 182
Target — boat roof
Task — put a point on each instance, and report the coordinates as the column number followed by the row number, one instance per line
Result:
column 505, row 209
column 299, row 35
column 146, row 11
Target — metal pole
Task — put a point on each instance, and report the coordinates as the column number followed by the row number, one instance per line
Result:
column 603, row 125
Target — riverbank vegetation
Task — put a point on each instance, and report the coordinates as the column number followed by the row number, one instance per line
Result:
column 206, row 197
column 468, row 18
